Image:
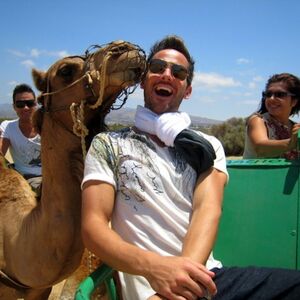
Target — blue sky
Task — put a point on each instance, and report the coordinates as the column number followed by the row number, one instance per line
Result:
column 237, row 44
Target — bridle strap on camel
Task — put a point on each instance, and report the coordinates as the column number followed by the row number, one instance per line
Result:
column 11, row 282
column 91, row 75
column 77, row 109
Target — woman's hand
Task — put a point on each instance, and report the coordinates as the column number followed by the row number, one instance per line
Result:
column 294, row 137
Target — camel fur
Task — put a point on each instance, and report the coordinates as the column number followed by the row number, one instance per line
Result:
column 40, row 242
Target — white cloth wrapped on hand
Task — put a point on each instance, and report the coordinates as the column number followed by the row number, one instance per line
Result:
column 169, row 125
column 165, row 126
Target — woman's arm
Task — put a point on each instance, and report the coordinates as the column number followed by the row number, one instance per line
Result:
column 264, row 147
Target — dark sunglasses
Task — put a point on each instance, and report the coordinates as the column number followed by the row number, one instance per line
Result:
column 23, row 103
column 279, row 94
column 158, row 66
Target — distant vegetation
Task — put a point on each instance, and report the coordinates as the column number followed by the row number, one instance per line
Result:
column 114, row 127
column 231, row 133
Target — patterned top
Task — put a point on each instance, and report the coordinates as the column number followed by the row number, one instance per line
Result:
column 276, row 131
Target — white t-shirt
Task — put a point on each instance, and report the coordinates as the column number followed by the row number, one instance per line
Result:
column 154, row 187
column 25, row 152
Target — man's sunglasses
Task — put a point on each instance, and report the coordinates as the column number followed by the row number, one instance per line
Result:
column 23, row 103
column 158, row 66
column 279, row 94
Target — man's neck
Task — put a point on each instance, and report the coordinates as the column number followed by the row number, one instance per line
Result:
column 27, row 129
column 151, row 136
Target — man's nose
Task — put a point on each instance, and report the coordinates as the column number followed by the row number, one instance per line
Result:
column 167, row 72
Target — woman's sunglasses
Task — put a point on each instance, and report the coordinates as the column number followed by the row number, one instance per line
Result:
column 23, row 103
column 158, row 66
column 279, row 94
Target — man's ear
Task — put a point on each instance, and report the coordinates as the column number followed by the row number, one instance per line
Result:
column 294, row 102
column 187, row 92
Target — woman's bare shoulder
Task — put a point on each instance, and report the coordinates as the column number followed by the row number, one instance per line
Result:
column 254, row 119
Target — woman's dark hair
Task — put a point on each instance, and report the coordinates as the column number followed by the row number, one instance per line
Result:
column 22, row 88
column 176, row 43
column 293, row 85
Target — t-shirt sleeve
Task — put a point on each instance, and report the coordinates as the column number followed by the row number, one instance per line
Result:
column 3, row 130
column 220, row 160
column 98, row 163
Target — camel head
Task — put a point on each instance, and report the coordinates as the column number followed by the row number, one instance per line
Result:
column 87, row 86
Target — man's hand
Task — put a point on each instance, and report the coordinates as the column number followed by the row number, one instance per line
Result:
column 180, row 278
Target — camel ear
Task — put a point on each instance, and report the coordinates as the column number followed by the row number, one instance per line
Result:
column 39, row 79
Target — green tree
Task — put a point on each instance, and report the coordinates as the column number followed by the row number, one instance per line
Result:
column 231, row 133
column 116, row 126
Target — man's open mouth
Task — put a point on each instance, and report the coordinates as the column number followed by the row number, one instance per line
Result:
column 163, row 91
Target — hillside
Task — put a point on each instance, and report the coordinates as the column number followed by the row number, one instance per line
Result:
column 124, row 116
column 7, row 111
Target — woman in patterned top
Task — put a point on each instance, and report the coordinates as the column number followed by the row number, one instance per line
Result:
column 270, row 131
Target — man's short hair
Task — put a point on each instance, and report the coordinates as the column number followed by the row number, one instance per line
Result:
column 22, row 88
column 176, row 43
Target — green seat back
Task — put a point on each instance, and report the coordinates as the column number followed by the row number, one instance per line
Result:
column 260, row 220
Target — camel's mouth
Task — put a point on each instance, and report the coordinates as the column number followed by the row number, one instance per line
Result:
column 135, row 74
column 139, row 72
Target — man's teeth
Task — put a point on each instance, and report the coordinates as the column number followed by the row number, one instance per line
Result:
column 164, row 89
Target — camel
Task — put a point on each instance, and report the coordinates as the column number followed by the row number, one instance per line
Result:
column 40, row 242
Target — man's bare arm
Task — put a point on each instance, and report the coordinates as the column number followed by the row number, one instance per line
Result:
column 169, row 276
column 4, row 145
column 207, row 208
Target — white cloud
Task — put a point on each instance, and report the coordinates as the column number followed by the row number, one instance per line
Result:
column 28, row 63
column 62, row 53
column 13, row 83
column 250, row 102
column 242, row 61
column 214, row 80
column 17, row 53
column 252, row 85
column 207, row 99
column 258, row 79
column 35, row 52
column 59, row 54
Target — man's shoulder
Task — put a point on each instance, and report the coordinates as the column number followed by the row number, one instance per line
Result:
column 9, row 123
column 212, row 139
column 114, row 134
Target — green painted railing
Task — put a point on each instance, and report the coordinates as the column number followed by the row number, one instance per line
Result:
column 101, row 275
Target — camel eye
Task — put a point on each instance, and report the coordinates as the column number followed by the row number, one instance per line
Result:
column 66, row 71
